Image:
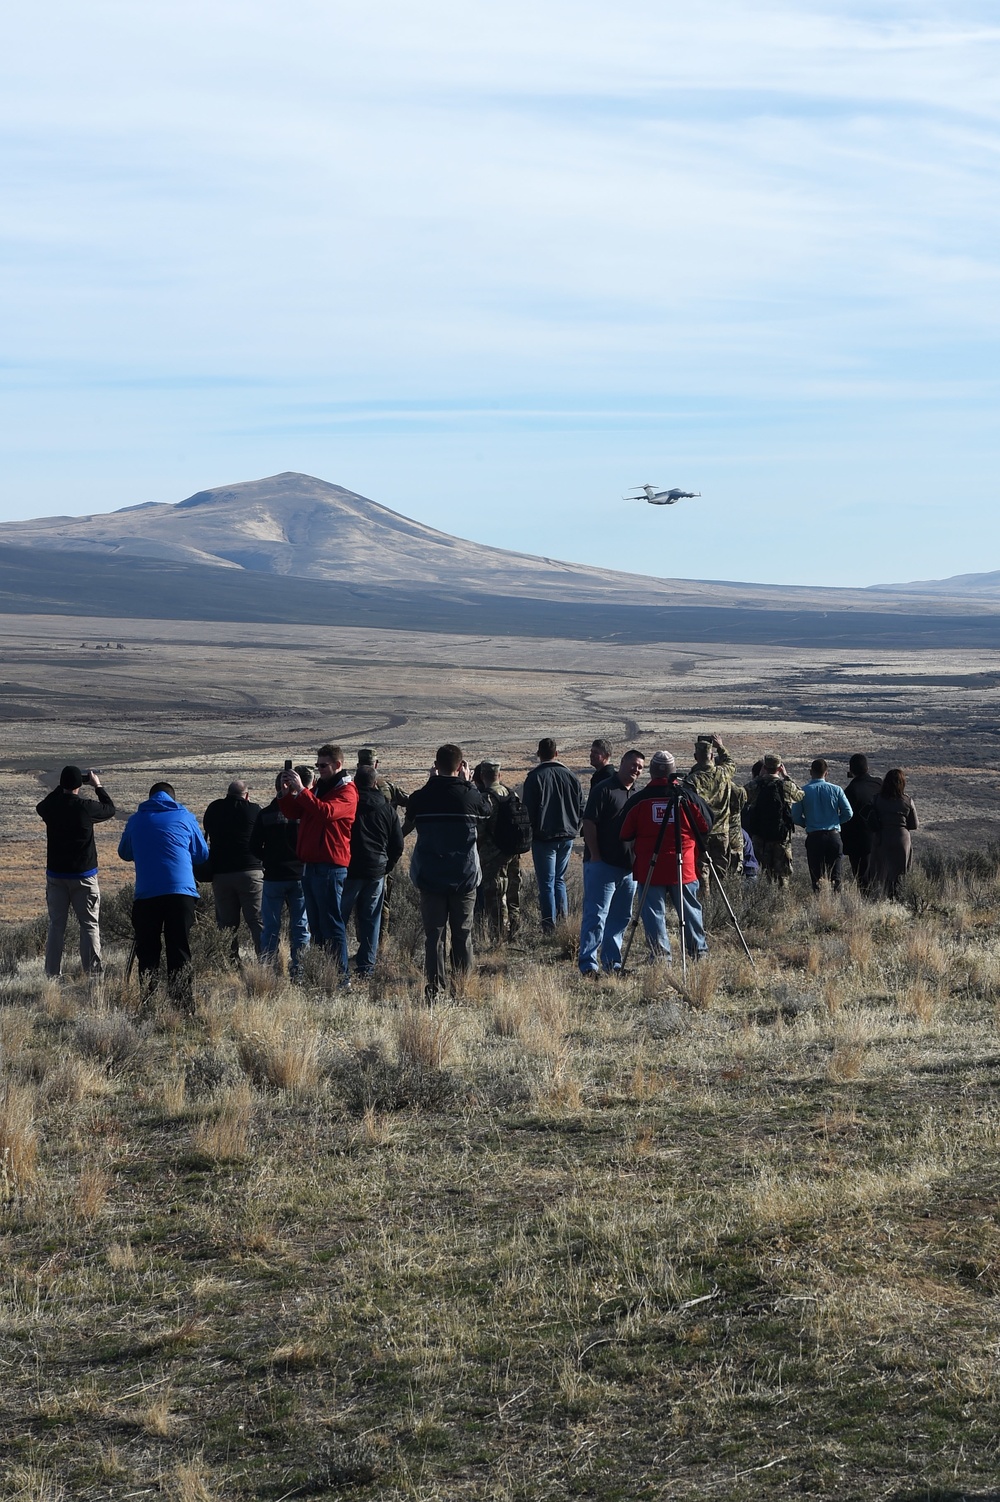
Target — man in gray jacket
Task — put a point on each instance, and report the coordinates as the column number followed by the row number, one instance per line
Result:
column 554, row 800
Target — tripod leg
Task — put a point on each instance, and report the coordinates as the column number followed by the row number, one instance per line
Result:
column 732, row 915
column 627, row 946
column 679, row 843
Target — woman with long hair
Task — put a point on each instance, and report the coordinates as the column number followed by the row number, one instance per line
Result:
column 891, row 818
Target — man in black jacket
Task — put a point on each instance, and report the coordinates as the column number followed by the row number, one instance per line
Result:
column 71, row 867
column 274, row 842
column 237, row 874
column 554, row 800
column 376, row 846
column 445, row 865
column 862, row 790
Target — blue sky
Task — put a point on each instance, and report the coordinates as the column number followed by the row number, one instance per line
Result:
column 492, row 265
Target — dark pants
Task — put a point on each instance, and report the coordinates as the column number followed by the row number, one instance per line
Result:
column 170, row 917
column 323, row 889
column 859, row 854
column 441, row 911
column 824, row 852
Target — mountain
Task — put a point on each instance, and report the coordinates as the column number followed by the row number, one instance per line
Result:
column 294, row 525
column 297, row 549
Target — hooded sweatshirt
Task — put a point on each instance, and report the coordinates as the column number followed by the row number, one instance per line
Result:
column 163, row 839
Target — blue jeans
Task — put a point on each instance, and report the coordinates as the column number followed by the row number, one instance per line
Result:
column 276, row 896
column 323, row 889
column 551, row 858
column 368, row 895
column 607, row 908
column 654, row 916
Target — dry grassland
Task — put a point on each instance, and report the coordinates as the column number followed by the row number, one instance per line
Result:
column 549, row 1240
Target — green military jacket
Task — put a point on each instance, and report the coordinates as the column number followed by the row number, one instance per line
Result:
column 713, row 784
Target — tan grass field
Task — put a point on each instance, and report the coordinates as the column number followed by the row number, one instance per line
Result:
column 548, row 1240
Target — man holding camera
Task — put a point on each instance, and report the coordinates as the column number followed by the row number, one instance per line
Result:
column 71, row 866
column 325, row 814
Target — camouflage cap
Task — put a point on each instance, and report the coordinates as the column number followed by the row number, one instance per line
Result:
column 772, row 761
column 367, row 756
column 491, row 761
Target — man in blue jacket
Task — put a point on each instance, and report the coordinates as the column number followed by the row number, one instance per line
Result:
column 824, row 807
column 163, row 839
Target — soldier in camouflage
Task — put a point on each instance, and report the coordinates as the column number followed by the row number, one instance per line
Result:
column 498, row 901
column 711, row 778
column 368, row 757
column 774, row 854
column 737, row 803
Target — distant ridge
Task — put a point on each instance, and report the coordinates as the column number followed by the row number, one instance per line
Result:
column 986, row 585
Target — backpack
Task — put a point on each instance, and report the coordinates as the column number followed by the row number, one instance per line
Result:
column 768, row 817
column 512, row 829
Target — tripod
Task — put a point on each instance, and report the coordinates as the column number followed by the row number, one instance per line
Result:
column 675, row 801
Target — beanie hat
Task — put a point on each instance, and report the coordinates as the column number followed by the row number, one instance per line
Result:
column 661, row 764
column 71, row 778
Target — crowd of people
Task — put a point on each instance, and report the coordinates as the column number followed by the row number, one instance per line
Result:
column 325, row 847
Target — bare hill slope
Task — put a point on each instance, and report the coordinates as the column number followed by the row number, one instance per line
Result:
column 295, row 526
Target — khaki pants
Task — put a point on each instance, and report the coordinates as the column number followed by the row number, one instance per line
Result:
column 498, row 901
column 237, row 892
column 82, row 894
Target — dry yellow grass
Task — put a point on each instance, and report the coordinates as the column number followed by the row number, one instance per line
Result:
column 91, row 1194
column 225, row 1136
column 548, row 1236
column 424, row 1038
column 18, row 1140
column 278, row 1045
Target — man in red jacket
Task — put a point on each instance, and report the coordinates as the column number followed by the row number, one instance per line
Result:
column 325, row 814
column 664, row 798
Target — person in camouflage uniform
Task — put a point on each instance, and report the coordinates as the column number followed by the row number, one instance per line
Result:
column 368, row 757
column 498, row 901
column 711, row 778
column 737, row 803
column 775, row 855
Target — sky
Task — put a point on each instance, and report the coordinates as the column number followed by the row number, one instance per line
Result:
column 494, row 264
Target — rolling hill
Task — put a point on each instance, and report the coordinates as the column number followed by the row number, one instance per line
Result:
column 232, row 553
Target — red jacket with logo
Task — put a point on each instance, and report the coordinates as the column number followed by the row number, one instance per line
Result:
column 325, row 818
column 642, row 820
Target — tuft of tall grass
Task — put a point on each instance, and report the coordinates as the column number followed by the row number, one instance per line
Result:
column 424, row 1039
column 277, row 1045
column 225, row 1136
column 18, row 1140
column 91, row 1193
